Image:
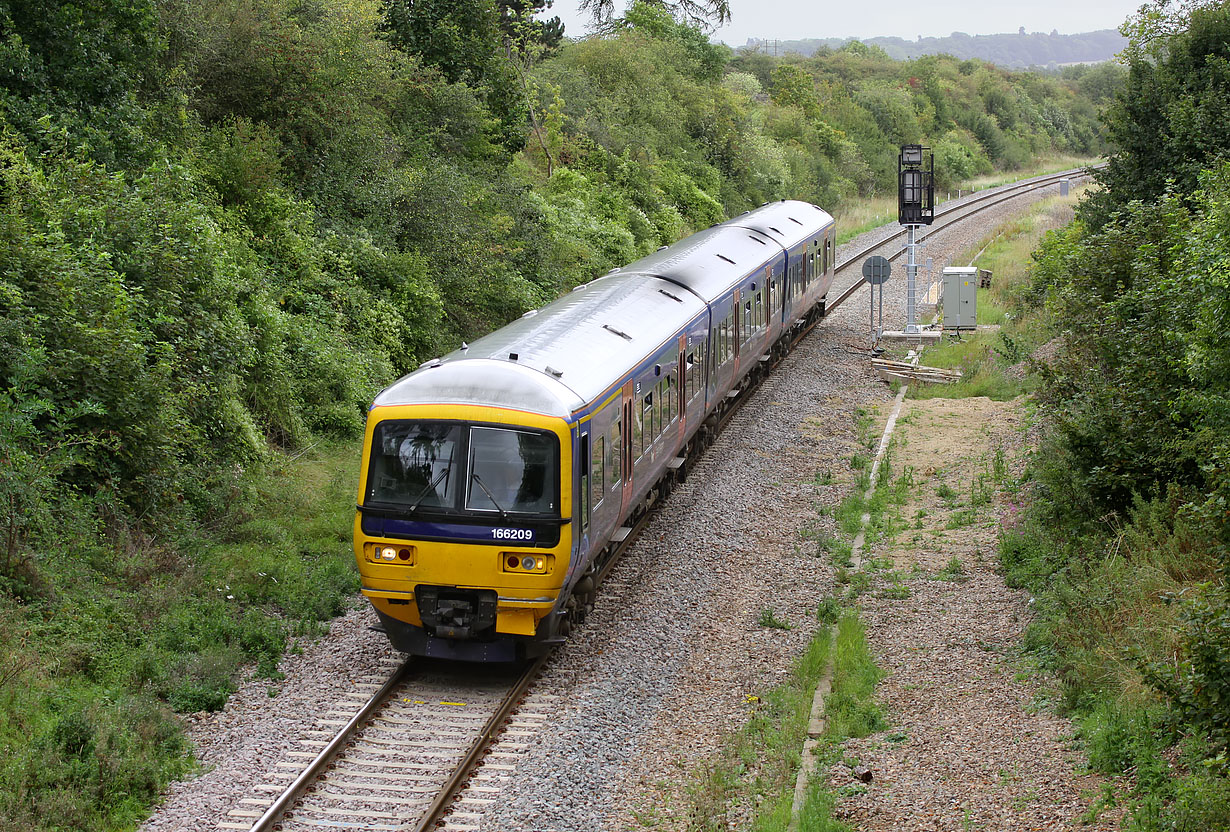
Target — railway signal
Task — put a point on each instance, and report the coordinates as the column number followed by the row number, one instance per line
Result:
column 915, row 208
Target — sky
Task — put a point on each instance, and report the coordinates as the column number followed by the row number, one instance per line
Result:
column 795, row 19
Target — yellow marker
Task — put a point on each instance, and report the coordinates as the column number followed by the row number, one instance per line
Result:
column 753, row 698
column 458, row 704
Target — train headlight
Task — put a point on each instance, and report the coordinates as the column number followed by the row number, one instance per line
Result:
column 383, row 553
column 528, row 563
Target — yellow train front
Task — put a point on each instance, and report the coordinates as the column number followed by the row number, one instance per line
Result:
column 463, row 533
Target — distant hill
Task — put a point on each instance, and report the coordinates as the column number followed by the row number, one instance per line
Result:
column 1017, row 51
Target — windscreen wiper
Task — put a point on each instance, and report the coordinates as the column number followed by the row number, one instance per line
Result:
column 490, row 496
column 431, row 486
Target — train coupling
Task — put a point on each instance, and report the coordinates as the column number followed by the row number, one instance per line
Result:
column 449, row 612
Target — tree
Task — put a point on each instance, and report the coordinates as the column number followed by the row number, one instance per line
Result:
column 695, row 12
column 1168, row 123
column 459, row 37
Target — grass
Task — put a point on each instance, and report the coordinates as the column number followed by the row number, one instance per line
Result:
column 984, row 357
column 757, row 767
column 1115, row 610
column 769, row 619
column 91, row 674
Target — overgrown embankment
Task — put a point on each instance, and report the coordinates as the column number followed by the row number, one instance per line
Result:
column 1121, row 532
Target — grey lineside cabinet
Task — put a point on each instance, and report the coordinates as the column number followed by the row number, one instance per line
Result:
column 960, row 297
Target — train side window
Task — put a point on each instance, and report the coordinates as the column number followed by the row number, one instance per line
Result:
column 617, row 458
column 585, row 481
column 671, row 399
column 664, row 405
column 638, row 433
column 689, row 375
column 828, row 253
column 599, row 470
column 651, row 430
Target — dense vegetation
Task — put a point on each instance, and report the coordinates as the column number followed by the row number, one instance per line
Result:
column 225, row 224
column 1126, row 543
column 1015, row 51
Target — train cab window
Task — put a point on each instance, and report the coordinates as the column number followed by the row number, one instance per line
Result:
column 599, row 470
column 416, row 463
column 509, row 471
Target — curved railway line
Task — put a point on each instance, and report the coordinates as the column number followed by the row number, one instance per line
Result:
column 401, row 753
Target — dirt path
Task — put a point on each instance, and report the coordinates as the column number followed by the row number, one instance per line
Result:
column 971, row 743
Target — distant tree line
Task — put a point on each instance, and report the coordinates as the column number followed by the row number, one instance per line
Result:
column 1014, row 51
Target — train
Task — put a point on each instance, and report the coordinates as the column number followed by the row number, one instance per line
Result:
column 498, row 480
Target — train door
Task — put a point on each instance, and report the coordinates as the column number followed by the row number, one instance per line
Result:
column 625, row 438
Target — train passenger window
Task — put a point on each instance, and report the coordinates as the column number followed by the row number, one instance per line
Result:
column 670, row 399
column 637, row 444
column 617, row 453
column 690, row 375
column 663, row 407
column 828, row 253
column 599, row 476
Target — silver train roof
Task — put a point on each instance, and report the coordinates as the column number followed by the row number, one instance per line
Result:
column 556, row 359
column 789, row 221
column 566, row 354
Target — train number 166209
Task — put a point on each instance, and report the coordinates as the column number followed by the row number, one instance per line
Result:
column 512, row 534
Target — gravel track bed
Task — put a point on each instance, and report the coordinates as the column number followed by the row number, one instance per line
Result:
column 239, row 745
column 662, row 669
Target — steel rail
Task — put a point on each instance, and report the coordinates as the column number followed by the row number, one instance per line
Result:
column 490, row 730
column 287, row 799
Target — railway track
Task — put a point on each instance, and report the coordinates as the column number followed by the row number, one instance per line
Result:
column 954, row 213
column 401, row 753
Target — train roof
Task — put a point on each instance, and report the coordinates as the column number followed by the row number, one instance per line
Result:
column 787, row 221
column 709, row 262
column 566, row 354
